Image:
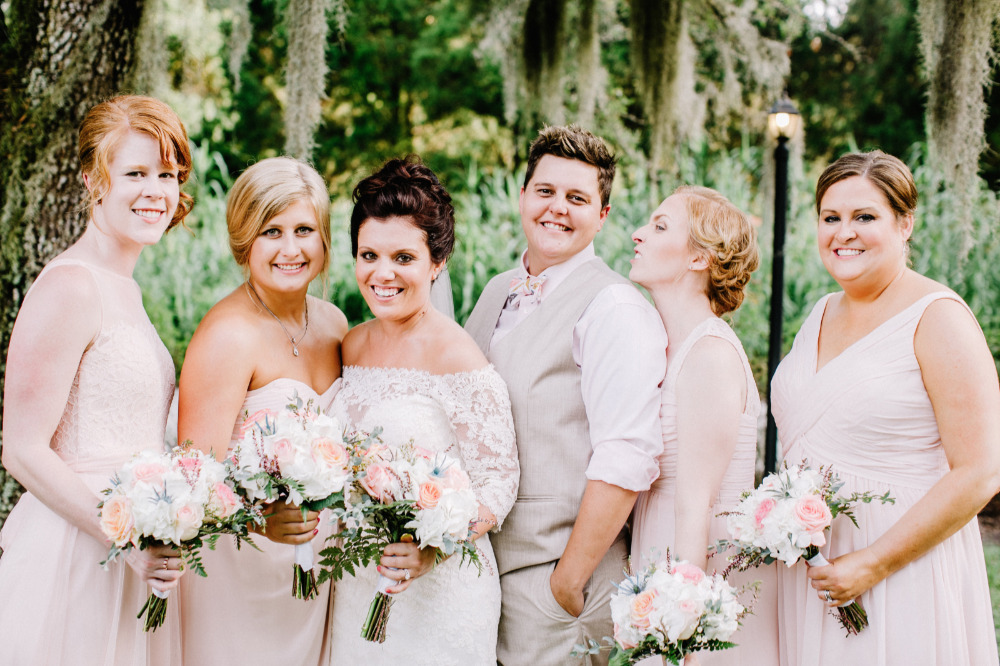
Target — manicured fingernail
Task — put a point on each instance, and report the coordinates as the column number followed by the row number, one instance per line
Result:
column 315, row 531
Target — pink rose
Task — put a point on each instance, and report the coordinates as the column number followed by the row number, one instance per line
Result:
column 329, row 453
column 430, row 495
column 688, row 572
column 379, row 483
column 642, row 606
column 626, row 644
column 814, row 516
column 149, row 472
column 116, row 520
column 377, row 452
column 187, row 521
column 283, row 450
column 260, row 417
column 455, row 478
column 224, row 501
column 763, row 509
column 190, row 465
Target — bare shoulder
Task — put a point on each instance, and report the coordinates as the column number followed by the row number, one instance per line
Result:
column 228, row 330
column 328, row 318
column 355, row 342
column 712, row 359
column 66, row 295
column 454, row 350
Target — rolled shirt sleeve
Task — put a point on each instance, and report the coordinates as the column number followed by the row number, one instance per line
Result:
column 620, row 345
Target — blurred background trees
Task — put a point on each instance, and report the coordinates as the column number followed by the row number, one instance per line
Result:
column 680, row 88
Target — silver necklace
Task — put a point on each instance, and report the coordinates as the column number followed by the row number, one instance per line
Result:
column 305, row 329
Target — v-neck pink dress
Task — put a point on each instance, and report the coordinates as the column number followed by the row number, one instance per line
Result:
column 243, row 612
column 867, row 413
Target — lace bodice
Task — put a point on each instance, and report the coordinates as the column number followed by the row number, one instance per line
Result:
column 466, row 414
column 120, row 396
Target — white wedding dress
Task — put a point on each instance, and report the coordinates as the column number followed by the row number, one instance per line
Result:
column 450, row 615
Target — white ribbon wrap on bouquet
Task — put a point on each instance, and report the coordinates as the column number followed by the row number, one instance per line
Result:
column 161, row 595
column 383, row 584
column 818, row 560
column 304, row 556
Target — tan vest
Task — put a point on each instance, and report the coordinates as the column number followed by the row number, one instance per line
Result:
column 550, row 421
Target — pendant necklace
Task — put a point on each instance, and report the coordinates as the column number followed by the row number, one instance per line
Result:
column 305, row 329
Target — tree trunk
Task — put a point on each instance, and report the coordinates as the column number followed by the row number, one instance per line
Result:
column 59, row 59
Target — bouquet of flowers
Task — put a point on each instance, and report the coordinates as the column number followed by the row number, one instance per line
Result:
column 786, row 519
column 182, row 498
column 298, row 454
column 672, row 609
column 400, row 493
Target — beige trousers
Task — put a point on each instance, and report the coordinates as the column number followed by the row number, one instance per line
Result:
column 534, row 628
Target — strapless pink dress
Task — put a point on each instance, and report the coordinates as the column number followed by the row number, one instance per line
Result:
column 243, row 612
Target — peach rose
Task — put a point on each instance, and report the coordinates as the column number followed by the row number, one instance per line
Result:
column 116, row 520
column 763, row 509
column 814, row 516
column 624, row 642
column 329, row 453
column 642, row 606
column 688, row 572
column 430, row 495
column 188, row 521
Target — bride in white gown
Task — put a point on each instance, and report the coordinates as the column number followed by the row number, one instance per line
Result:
column 415, row 373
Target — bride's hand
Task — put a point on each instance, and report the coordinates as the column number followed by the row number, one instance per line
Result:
column 285, row 524
column 159, row 566
column 405, row 561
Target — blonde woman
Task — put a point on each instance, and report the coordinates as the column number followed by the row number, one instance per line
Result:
column 258, row 347
column 695, row 256
column 88, row 385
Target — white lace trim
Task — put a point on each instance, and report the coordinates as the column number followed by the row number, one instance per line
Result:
column 477, row 408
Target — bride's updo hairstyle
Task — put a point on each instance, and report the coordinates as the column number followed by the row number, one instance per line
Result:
column 406, row 188
column 267, row 189
column 724, row 234
column 107, row 123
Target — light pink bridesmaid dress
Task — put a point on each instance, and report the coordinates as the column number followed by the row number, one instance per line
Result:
column 57, row 606
column 243, row 612
column 867, row 413
column 653, row 520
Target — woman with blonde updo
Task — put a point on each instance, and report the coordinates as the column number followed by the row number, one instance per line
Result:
column 88, row 386
column 256, row 349
column 695, row 257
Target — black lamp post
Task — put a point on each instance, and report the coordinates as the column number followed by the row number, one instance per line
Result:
column 782, row 123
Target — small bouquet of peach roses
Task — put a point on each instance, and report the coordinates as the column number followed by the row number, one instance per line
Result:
column 298, row 454
column 786, row 519
column 670, row 609
column 400, row 493
column 183, row 498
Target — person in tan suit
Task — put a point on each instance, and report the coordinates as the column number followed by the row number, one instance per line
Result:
column 583, row 354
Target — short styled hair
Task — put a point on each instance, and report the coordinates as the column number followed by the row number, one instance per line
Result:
column 403, row 187
column 107, row 123
column 888, row 173
column 267, row 189
column 574, row 143
column 723, row 233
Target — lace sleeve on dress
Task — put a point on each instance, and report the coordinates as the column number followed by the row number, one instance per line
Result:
column 484, row 428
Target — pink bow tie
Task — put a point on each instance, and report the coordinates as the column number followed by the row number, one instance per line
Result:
column 528, row 287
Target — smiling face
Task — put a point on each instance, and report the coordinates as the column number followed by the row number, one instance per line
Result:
column 561, row 211
column 861, row 240
column 394, row 268
column 288, row 252
column 142, row 193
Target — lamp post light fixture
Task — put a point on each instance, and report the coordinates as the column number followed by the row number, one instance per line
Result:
column 782, row 124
